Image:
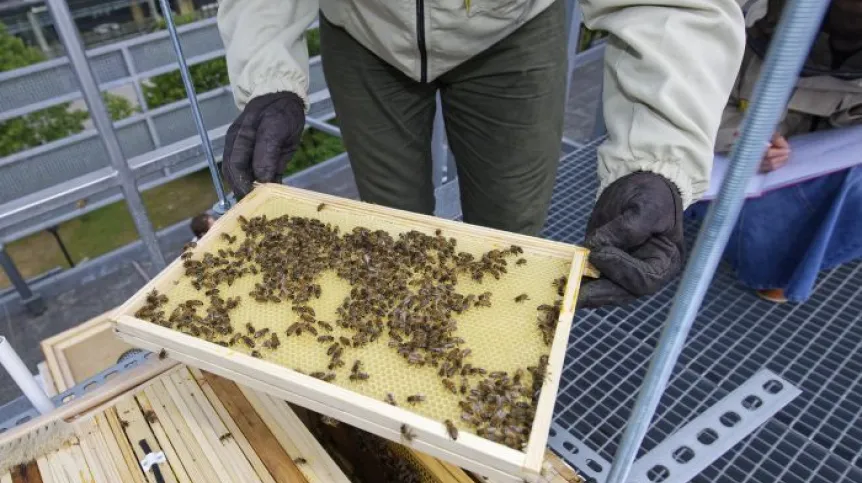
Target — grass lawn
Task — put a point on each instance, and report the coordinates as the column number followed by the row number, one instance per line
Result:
column 111, row 226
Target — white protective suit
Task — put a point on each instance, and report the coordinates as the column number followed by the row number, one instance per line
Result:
column 669, row 64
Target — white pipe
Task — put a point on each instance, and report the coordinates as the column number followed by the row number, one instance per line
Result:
column 22, row 377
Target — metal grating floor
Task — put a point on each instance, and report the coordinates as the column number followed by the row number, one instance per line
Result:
column 817, row 346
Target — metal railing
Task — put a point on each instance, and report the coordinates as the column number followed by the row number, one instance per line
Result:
column 35, row 186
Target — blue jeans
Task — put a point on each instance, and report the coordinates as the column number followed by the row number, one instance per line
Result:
column 785, row 237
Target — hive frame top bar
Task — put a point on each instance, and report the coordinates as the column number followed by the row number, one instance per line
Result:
column 469, row 450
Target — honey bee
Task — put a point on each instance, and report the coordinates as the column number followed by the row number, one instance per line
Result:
column 522, row 297
column 356, row 365
column 329, row 377
column 325, row 338
column 450, row 386
column 416, row 398
column 273, row 342
column 407, row 433
column 250, row 328
column 326, row 325
column 256, row 354
column 261, row 333
column 331, row 350
column 359, row 376
column 344, row 341
column 163, row 354
column 463, row 388
column 318, row 374
column 300, row 461
column 329, row 421
column 247, row 341
column 150, row 416
column 390, row 399
column 225, row 437
column 451, row 429
column 320, row 207
column 234, row 339
column 560, row 285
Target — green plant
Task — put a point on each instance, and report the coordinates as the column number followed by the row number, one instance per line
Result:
column 315, row 147
column 312, row 39
column 167, row 88
column 49, row 124
column 118, row 106
column 179, row 19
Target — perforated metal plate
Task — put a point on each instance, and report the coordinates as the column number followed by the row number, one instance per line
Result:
column 816, row 346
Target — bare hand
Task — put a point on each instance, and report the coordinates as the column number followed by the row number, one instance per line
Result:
column 777, row 154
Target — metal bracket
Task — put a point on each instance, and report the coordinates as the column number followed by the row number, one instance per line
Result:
column 578, row 454
column 127, row 361
column 698, row 444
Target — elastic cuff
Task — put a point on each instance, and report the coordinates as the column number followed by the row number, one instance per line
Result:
column 289, row 81
column 671, row 170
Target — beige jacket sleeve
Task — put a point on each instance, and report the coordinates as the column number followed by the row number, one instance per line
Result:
column 265, row 46
column 669, row 68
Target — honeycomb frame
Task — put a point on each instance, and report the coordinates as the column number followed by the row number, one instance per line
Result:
column 339, row 401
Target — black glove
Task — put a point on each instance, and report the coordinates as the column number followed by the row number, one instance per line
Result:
column 635, row 238
column 262, row 140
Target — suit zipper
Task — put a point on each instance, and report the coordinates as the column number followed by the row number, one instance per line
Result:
column 420, row 40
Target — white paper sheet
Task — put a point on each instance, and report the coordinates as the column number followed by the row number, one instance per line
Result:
column 811, row 155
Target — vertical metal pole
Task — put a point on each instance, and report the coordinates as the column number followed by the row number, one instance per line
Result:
column 32, row 301
column 223, row 204
column 33, row 18
column 77, row 58
column 439, row 152
column 799, row 24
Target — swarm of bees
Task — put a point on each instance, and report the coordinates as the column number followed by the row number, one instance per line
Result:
column 403, row 287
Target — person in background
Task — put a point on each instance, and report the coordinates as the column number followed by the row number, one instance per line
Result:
column 201, row 224
column 784, row 238
column 499, row 67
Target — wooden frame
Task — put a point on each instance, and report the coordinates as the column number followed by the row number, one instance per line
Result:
column 81, row 352
column 469, row 451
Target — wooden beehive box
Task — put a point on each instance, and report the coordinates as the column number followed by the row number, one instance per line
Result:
column 502, row 337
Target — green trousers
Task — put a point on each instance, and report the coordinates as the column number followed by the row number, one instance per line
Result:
column 503, row 111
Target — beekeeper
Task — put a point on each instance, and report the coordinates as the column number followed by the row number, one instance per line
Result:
column 500, row 69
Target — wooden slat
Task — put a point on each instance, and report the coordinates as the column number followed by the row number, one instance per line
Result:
column 90, row 452
column 308, row 446
column 57, row 470
column 230, row 421
column 538, row 441
column 261, row 438
column 196, row 463
column 28, row 473
column 116, row 443
column 193, row 419
column 126, row 450
column 103, row 451
column 228, row 447
column 45, row 469
column 137, row 429
column 77, row 466
column 156, row 426
column 199, row 467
